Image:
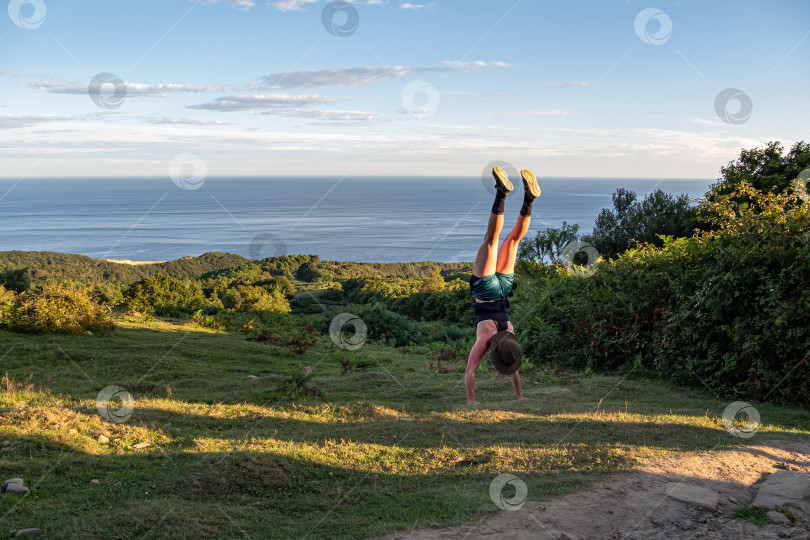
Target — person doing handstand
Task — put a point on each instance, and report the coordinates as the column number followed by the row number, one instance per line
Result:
column 491, row 282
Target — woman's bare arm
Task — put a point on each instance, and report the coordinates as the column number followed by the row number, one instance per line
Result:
column 476, row 355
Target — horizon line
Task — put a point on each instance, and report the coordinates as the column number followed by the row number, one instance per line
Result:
column 259, row 177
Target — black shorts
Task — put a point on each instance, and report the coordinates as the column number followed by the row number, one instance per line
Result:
column 495, row 311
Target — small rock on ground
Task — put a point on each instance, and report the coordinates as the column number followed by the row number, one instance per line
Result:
column 306, row 370
column 783, row 487
column 12, row 481
column 778, row 517
column 695, row 495
column 562, row 535
column 28, row 532
column 16, row 489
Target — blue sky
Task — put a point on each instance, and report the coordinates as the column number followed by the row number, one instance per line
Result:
column 607, row 88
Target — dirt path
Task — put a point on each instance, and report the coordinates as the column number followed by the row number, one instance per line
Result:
column 634, row 506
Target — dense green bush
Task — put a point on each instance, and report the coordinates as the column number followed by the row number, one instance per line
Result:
column 16, row 280
column 741, row 321
column 249, row 272
column 310, row 271
column 365, row 290
column 59, row 308
column 728, row 308
column 412, row 270
column 7, row 300
column 453, row 304
column 165, row 295
column 386, row 325
column 428, row 299
column 398, row 330
column 252, row 298
column 453, row 333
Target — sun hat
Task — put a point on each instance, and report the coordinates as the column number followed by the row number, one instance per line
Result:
column 505, row 352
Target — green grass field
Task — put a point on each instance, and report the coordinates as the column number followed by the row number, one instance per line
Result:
column 272, row 457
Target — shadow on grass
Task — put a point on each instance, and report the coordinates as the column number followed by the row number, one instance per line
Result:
column 385, row 430
column 252, row 494
column 259, row 494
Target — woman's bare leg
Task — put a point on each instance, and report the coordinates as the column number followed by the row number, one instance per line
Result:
column 486, row 259
column 508, row 252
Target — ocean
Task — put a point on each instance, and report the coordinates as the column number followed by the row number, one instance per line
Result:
column 363, row 219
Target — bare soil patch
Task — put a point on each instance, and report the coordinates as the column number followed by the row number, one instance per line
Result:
column 635, row 505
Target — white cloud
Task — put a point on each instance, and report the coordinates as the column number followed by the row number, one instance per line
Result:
column 701, row 121
column 354, row 117
column 138, row 89
column 258, row 102
column 20, row 76
column 55, row 85
column 472, row 94
column 357, row 76
column 184, row 121
column 240, row 4
column 295, row 5
column 290, row 5
column 568, row 84
column 408, row 5
column 13, row 121
column 547, row 112
column 459, row 65
column 295, row 106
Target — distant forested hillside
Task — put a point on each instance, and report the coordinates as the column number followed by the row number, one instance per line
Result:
column 41, row 266
column 21, row 269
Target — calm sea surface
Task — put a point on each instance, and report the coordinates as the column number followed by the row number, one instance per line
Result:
column 393, row 219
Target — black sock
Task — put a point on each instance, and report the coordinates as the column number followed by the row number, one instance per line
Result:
column 526, row 209
column 500, row 201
